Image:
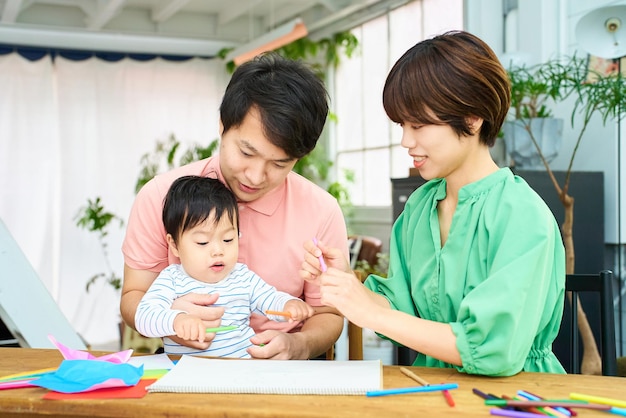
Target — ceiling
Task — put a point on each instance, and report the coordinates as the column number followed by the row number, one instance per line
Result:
column 179, row 27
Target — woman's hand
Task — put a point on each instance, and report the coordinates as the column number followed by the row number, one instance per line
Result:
column 312, row 267
column 345, row 292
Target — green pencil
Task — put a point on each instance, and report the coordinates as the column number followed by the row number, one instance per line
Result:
column 218, row 329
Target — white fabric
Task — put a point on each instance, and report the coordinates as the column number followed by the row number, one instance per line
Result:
column 74, row 130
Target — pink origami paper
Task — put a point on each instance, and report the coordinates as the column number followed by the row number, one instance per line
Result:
column 71, row 354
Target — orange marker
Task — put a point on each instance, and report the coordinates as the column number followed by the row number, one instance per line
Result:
column 279, row 313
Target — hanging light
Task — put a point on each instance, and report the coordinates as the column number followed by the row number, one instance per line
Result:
column 602, row 32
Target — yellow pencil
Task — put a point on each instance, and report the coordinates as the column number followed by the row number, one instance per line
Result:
column 598, row 399
column 22, row 375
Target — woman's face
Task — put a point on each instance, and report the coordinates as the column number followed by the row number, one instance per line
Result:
column 437, row 151
column 251, row 165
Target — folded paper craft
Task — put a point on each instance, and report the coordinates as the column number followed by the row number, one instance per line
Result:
column 82, row 371
column 75, row 376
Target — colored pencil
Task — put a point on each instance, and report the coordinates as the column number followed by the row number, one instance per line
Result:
column 415, row 389
column 218, row 329
column 514, row 413
column 320, row 258
column 532, row 397
column 532, row 409
column 279, row 313
column 446, row 394
column 413, row 376
column 501, row 402
column 618, row 411
column 30, row 374
column 598, row 399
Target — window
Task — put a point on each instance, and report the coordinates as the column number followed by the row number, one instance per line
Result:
column 366, row 142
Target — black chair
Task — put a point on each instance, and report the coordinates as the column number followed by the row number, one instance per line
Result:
column 600, row 284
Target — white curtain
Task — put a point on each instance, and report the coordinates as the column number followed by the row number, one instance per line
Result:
column 73, row 130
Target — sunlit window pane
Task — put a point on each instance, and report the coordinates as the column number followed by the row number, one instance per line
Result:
column 365, row 140
column 376, row 183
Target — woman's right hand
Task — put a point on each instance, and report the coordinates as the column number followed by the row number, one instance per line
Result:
column 311, row 267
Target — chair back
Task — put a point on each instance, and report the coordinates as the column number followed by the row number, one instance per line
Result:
column 364, row 248
column 601, row 284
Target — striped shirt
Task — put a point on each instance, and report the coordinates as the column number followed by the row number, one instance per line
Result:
column 242, row 292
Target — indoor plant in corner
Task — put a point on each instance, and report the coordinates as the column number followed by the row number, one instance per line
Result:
column 531, row 125
column 94, row 218
column 593, row 94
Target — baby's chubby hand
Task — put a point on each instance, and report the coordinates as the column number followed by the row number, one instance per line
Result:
column 189, row 327
column 299, row 310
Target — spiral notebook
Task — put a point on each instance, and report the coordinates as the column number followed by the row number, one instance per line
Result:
column 295, row 377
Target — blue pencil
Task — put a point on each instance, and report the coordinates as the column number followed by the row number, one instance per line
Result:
column 413, row 389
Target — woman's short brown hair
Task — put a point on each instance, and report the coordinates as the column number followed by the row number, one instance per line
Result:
column 446, row 80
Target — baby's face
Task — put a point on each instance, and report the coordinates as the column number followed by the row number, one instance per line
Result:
column 209, row 250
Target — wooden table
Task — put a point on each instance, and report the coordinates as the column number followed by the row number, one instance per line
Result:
column 27, row 402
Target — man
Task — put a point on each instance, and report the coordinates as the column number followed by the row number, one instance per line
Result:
column 272, row 114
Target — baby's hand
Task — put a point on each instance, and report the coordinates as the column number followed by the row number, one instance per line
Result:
column 189, row 327
column 299, row 310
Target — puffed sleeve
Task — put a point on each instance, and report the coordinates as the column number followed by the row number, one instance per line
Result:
column 516, row 310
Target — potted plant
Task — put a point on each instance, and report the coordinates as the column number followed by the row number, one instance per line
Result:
column 94, row 218
column 531, row 125
column 594, row 94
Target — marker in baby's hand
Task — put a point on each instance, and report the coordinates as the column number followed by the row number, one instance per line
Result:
column 279, row 313
column 225, row 328
column 320, row 258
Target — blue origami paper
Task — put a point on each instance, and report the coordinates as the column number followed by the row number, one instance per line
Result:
column 75, row 376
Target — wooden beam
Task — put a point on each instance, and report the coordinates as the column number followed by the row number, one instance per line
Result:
column 230, row 13
column 167, row 10
column 105, row 14
column 11, row 10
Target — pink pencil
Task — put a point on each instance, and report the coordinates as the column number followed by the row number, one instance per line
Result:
column 322, row 262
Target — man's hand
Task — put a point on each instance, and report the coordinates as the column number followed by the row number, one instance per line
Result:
column 317, row 334
column 199, row 305
column 276, row 345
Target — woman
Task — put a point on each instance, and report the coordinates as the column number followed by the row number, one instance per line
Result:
column 477, row 265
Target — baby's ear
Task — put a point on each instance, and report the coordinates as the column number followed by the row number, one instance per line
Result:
column 172, row 244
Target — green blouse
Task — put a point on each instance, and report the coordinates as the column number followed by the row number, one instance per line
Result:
column 499, row 280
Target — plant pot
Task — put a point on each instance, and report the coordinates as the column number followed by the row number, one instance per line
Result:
column 548, row 132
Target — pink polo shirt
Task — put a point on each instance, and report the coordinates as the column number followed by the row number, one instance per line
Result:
column 273, row 231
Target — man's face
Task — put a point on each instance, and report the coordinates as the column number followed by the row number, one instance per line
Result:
column 251, row 165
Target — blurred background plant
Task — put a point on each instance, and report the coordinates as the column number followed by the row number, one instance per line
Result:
column 94, row 218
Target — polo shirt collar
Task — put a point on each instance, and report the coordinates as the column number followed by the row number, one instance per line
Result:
column 268, row 204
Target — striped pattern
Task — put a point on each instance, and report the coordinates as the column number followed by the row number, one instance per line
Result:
column 241, row 293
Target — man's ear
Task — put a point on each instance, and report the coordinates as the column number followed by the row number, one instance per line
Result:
column 221, row 128
column 172, row 244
